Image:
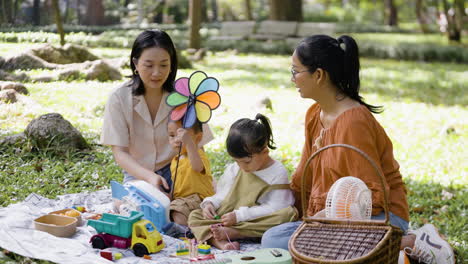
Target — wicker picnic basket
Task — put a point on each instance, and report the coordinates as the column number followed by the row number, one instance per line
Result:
column 323, row 240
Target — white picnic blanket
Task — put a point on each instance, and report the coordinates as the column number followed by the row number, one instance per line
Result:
column 17, row 233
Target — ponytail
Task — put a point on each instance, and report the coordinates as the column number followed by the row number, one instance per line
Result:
column 340, row 59
column 247, row 137
column 268, row 133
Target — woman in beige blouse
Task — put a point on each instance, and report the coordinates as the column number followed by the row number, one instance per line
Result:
column 136, row 115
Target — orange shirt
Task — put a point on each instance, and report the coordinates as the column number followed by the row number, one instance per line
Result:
column 357, row 127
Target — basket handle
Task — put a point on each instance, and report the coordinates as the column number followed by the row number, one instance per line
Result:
column 381, row 177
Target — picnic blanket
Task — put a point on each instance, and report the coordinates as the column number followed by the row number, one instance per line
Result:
column 17, row 233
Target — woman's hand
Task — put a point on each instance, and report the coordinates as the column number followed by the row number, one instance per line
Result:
column 157, row 180
column 209, row 211
column 229, row 219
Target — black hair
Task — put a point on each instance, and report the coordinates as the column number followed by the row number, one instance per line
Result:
column 341, row 62
column 247, row 137
column 152, row 39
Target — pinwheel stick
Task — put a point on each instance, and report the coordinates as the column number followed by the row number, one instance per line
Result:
column 177, row 165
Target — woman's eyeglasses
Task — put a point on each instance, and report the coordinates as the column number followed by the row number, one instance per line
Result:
column 294, row 72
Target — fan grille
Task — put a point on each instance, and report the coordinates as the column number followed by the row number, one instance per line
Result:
column 349, row 198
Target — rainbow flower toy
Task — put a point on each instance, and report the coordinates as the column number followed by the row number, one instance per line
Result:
column 194, row 98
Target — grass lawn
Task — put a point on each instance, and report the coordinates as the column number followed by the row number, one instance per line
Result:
column 425, row 116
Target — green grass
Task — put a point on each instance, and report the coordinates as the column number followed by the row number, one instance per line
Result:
column 425, row 116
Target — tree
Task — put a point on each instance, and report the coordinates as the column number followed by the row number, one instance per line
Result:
column 248, row 9
column 36, row 16
column 286, row 10
column 195, row 21
column 94, row 13
column 391, row 13
column 58, row 21
column 421, row 14
column 214, row 8
column 454, row 14
column 6, row 7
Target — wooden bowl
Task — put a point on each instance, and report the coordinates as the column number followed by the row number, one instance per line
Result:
column 57, row 225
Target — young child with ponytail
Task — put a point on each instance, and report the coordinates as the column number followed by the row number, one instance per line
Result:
column 253, row 193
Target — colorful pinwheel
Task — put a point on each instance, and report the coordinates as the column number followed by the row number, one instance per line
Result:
column 194, row 98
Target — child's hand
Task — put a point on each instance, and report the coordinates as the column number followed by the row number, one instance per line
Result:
column 209, row 211
column 183, row 135
column 229, row 219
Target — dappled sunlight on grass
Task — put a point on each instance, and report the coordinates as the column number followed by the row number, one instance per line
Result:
column 433, row 83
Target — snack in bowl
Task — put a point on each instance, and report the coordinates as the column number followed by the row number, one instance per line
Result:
column 70, row 212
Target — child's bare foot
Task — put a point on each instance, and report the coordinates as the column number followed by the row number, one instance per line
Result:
column 224, row 244
column 225, row 233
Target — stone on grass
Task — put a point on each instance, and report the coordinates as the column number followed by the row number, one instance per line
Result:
column 9, row 96
column 52, row 132
column 183, row 61
column 266, row 103
column 67, row 54
column 13, row 77
column 99, row 70
column 18, row 87
column 26, row 61
column 17, row 139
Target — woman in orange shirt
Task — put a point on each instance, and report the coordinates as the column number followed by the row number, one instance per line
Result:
column 326, row 70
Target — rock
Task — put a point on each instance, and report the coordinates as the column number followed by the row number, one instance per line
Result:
column 67, row 54
column 99, row 70
column 53, row 133
column 18, row 87
column 17, row 139
column 25, row 61
column 2, row 62
column 8, row 96
column 183, row 61
column 68, row 74
column 266, row 102
column 118, row 62
column 13, row 77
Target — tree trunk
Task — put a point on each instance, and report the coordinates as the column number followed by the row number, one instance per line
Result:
column 286, row 10
column 454, row 33
column 7, row 6
column 159, row 12
column 15, row 9
column 248, row 10
column 78, row 13
column 58, row 21
column 195, row 20
column 214, row 7
column 204, row 12
column 67, row 11
column 95, row 13
column 391, row 13
column 36, row 16
column 421, row 14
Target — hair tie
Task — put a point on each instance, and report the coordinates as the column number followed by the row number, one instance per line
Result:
column 341, row 44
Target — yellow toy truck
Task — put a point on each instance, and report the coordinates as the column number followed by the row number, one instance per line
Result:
column 126, row 232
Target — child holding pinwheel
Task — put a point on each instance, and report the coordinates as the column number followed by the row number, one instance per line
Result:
column 193, row 100
column 252, row 195
column 194, row 181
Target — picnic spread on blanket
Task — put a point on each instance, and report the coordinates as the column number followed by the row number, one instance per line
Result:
column 18, row 234
column 127, row 223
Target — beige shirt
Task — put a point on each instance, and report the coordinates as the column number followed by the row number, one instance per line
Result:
column 127, row 123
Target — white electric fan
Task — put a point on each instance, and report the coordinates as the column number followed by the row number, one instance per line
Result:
column 349, row 198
